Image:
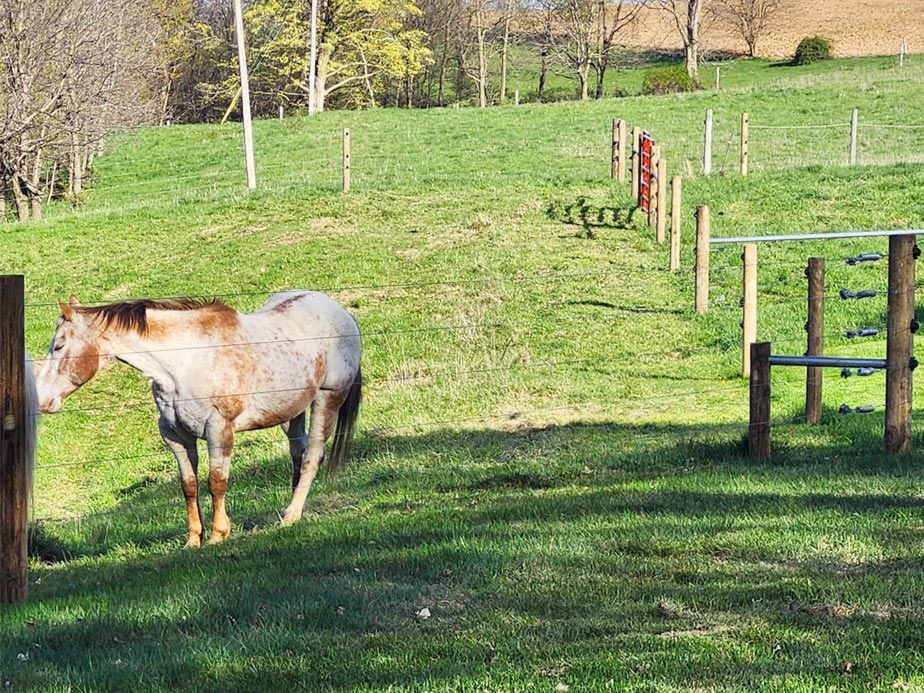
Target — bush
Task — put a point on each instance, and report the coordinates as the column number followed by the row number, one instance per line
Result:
column 812, row 49
column 667, row 80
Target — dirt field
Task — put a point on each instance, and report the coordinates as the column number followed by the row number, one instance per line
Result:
column 858, row 27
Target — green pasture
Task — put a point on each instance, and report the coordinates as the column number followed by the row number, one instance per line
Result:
column 550, row 453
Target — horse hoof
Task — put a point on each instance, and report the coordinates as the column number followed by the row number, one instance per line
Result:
column 218, row 536
column 193, row 542
column 290, row 518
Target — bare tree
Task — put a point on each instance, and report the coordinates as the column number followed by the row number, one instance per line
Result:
column 750, row 18
column 686, row 17
column 71, row 72
column 614, row 17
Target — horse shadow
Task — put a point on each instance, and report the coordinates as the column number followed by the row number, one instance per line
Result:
column 590, row 216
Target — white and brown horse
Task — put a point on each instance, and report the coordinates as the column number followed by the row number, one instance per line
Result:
column 215, row 371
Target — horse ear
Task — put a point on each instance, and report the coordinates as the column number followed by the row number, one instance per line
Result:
column 67, row 310
column 74, row 300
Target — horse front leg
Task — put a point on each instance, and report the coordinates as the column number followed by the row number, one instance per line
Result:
column 220, row 438
column 187, row 458
column 323, row 412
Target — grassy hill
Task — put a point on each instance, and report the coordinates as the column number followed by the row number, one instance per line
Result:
column 549, row 456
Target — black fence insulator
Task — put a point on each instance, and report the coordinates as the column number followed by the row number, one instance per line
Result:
column 913, row 363
column 862, row 409
column 866, row 293
column 864, row 257
column 862, row 372
column 862, row 332
column 914, row 327
column 916, row 253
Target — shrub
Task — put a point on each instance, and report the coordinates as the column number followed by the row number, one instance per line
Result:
column 667, row 80
column 812, row 49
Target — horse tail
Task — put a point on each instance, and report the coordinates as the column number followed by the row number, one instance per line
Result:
column 346, row 425
column 31, row 415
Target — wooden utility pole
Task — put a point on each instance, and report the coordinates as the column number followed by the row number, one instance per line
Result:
column 245, row 96
column 15, row 462
column 759, row 425
column 749, row 319
column 702, row 259
column 900, row 344
column 815, row 329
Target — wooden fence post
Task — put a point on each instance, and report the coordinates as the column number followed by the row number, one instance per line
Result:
column 744, row 144
column 661, row 211
column 346, row 160
column 636, row 161
column 676, row 187
column 815, row 331
column 653, row 186
column 854, row 118
column 749, row 317
column 707, row 143
column 759, row 424
column 900, row 344
column 702, row 259
column 718, row 76
column 14, row 459
column 618, row 166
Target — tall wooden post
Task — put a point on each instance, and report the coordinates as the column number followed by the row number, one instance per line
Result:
column 346, row 160
column 900, row 344
column 245, row 96
column 854, row 121
column 744, row 144
column 759, row 424
column 702, row 259
column 749, row 317
column 661, row 211
column 707, row 143
column 653, row 186
column 815, row 329
column 636, row 161
column 618, row 165
column 676, row 187
column 14, row 458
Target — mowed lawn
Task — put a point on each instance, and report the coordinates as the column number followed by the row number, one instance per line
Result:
column 550, row 455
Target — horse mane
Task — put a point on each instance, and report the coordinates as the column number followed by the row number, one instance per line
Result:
column 132, row 316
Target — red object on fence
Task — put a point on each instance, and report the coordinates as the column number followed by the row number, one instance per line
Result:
column 646, row 146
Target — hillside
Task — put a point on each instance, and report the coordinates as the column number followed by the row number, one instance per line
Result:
column 862, row 27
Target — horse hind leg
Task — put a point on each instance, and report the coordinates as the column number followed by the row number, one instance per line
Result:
column 298, row 443
column 323, row 413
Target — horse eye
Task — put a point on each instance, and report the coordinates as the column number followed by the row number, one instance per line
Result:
column 58, row 347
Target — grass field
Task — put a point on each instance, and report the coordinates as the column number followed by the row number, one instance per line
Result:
column 550, row 451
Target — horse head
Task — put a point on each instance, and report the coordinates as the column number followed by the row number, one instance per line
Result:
column 72, row 359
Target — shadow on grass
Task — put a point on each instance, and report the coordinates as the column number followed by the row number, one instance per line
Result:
column 590, row 216
column 543, row 554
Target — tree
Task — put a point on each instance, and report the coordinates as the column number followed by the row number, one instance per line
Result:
column 686, row 17
column 750, row 18
column 364, row 48
column 71, row 72
column 613, row 20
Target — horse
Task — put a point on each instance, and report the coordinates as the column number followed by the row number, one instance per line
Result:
column 215, row 372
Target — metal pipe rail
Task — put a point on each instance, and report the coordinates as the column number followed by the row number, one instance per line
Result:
column 827, row 362
column 832, row 235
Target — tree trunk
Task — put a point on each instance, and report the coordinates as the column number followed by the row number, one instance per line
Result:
column 601, row 73
column 22, row 204
column 504, row 47
column 482, row 60
column 320, row 80
column 694, row 10
column 543, row 69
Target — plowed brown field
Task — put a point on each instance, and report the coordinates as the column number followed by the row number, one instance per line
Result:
column 855, row 27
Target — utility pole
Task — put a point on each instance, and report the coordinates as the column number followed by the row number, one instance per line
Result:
column 313, row 63
column 245, row 96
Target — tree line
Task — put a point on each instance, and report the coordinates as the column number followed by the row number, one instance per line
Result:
column 74, row 71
